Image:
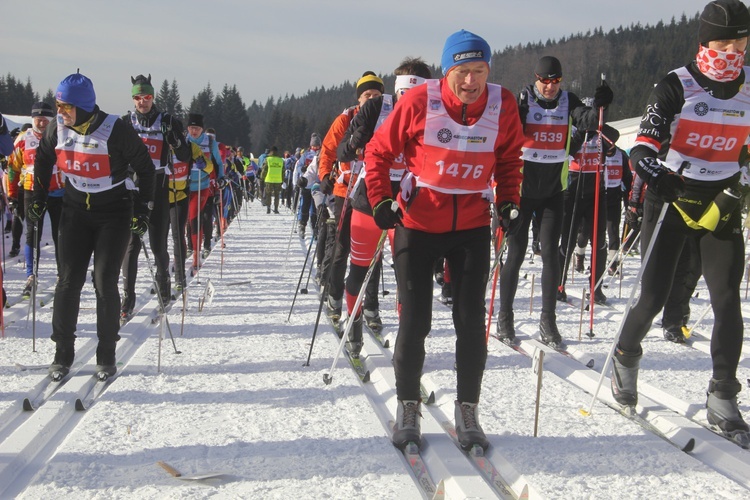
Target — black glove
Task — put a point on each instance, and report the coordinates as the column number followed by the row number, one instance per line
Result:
column 139, row 224
column 510, row 217
column 222, row 182
column 633, row 215
column 302, row 182
column 384, row 215
column 360, row 137
column 326, row 186
column 523, row 105
column 667, row 185
column 603, row 95
column 36, row 210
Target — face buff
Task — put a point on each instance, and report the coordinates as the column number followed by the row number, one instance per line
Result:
column 720, row 66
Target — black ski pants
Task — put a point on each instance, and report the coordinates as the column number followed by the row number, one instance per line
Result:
column 468, row 256
column 178, row 214
column 83, row 233
column 549, row 214
column 723, row 259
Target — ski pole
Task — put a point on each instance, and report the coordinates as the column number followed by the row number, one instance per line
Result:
column 158, row 295
column 221, row 231
column 595, row 227
column 328, row 377
column 689, row 332
column 628, row 307
column 302, row 273
column 570, row 242
column 35, row 274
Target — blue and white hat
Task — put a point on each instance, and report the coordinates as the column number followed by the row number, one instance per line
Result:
column 462, row 47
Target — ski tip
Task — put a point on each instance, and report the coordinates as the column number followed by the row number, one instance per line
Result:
column 27, row 406
column 79, row 405
column 689, row 446
column 431, row 398
column 524, row 493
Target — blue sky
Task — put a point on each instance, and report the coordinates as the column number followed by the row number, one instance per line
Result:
column 274, row 48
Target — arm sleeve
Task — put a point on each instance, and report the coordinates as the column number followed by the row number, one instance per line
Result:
column 360, row 130
column 44, row 161
column 331, row 141
column 136, row 154
column 508, row 165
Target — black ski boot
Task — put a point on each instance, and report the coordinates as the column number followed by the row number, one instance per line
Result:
column 625, row 367
column 674, row 334
column 548, row 329
column 301, row 231
column 468, row 430
column 60, row 367
column 407, row 428
column 599, row 297
column 105, row 361
column 724, row 413
column 561, row 295
column 505, row 329
column 354, row 342
column 126, row 308
column 165, row 287
column 446, row 294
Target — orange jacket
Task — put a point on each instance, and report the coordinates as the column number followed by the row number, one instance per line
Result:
column 328, row 149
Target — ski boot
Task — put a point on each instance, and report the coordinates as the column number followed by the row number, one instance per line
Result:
column 60, row 366
column 354, row 342
column 614, row 268
column 205, row 253
column 333, row 310
column 674, row 334
column 105, row 362
column 28, row 288
column 505, row 329
column 468, row 430
column 561, row 295
column 446, row 294
column 724, row 413
column 126, row 309
column 548, row 330
column 625, row 367
column 14, row 252
column 580, row 258
column 372, row 317
column 301, row 231
column 536, row 247
column 407, row 428
column 599, row 297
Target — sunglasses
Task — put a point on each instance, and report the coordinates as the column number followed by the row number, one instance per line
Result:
column 146, row 97
column 64, row 106
column 547, row 81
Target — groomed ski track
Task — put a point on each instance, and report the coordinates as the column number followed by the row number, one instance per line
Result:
column 239, row 400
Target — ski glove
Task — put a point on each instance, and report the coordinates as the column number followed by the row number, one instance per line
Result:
column 633, row 216
column 36, row 211
column 387, row 214
column 510, row 217
column 603, row 95
column 139, row 224
column 326, row 186
column 302, row 182
column 667, row 185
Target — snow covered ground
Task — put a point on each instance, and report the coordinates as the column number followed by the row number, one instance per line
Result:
column 239, row 400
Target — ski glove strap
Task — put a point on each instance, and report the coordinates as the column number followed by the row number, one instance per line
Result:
column 387, row 214
column 36, row 211
column 510, row 217
column 139, row 224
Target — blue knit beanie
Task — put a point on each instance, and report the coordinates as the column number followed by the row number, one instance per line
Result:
column 462, row 47
column 78, row 90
